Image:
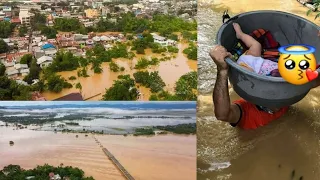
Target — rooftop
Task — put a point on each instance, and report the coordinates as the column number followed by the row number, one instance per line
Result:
column 70, row 97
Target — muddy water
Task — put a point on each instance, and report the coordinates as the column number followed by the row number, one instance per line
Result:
column 271, row 152
column 159, row 157
column 93, row 87
column 34, row 148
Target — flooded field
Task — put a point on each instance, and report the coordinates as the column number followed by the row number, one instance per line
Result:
column 93, row 87
column 286, row 149
column 144, row 157
column 34, row 148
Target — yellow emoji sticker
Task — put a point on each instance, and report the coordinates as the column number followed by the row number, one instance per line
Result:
column 297, row 64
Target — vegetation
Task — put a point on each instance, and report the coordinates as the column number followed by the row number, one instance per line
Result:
column 179, row 129
column 316, row 4
column 34, row 71
column 49, row 32
column 11, row 90
column 191, row 51
column 23, row 30
column 143, row 131
column 185, row 90
column 64, row 61
column 3, row 46
column 144, row 63
column 39, row 20
column 72, row 78
column 166, row 25
column 114, row 67
column 150, row 80
column 189, row 35
column 176, row 129
column 56, row 83
column 173, row 49
column 79, row 86
column 67, row 25
column 11, row 172
column 186, row 86
column 6, row 28
column 123, row 89
column 72, row 123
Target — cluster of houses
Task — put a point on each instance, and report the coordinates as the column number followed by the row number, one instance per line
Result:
column 44, row 50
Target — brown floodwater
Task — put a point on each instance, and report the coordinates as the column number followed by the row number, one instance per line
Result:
column 32, row 148
column 286, row 149
column 93, row 87
column 158, row 157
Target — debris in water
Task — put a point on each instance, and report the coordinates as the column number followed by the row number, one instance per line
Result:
column 279, row 165
column 301, row 178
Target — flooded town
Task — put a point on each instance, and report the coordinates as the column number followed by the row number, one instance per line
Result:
column 98, row 50
column 287, row 148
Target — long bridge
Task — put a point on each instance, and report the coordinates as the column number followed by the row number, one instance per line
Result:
column 125, row 173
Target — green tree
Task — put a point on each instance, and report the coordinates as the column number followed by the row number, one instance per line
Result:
column 114, row 67
column 191, row 52
column 79, row 86
column 3, row 46
column 26, row 59
column 56, row 83
column 186, row 86
column 23, row 30
column 6, row 28
column 123, row 89
column 2, row 69
column 49, row 32
column 67, row 25
column 34, row 72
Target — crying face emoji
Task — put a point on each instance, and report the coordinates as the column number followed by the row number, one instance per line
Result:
column 297, row 64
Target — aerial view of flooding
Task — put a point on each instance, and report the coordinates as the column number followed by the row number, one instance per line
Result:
column 285, row 149
column 113, row 140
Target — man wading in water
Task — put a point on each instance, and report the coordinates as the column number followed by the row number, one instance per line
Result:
column 240, row 113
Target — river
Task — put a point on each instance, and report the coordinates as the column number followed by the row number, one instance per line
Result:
column 288, row 148
column 93, row 87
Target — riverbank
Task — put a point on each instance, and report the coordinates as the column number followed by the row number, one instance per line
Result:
column 94, row 86
column 158, row 157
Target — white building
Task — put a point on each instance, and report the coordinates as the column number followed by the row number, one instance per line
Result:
column 88, row 24
column 21, row 66
column 162, row 40
column 25, row 17
column 44, row 61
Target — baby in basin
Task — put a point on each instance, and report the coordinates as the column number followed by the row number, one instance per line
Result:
column 252, row 59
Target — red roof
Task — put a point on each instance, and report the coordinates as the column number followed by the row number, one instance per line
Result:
column 10, row 57
column 15, row 20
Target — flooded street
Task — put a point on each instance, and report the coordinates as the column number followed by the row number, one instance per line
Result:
column 145, row 158
column 93, row 87
column 286, row 149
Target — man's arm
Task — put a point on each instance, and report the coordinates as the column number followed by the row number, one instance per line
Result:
column 223, row 109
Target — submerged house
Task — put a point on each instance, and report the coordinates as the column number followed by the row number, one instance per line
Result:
column 163, row 41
